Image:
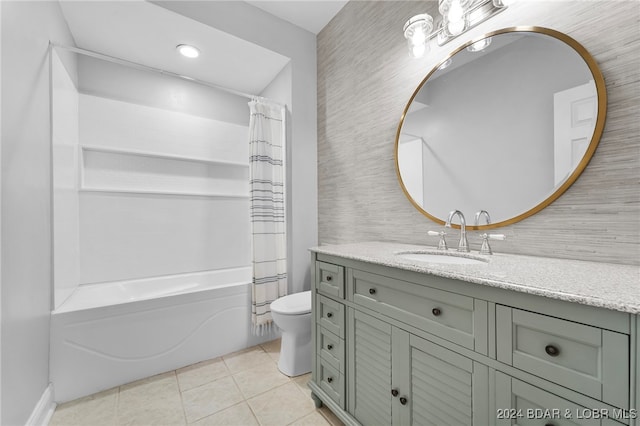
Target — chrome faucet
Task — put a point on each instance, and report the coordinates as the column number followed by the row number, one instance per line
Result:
column 464, row 244
column 480, row 214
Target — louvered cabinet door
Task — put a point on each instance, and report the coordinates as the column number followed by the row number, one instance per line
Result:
column 446, row 388
column 369, row 382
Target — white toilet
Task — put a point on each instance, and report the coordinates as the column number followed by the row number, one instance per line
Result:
column 292, row 314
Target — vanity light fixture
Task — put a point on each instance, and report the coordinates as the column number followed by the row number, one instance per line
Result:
column 416, row 30
column 188, row 51
column 479, row 45
column 457, row 16
column 445, row 64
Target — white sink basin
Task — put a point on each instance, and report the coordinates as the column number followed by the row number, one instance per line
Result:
column 444, row 258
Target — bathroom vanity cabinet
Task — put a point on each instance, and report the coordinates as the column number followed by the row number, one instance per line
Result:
column 396, row 347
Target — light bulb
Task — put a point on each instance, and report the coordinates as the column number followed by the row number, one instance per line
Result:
column 456, row 12
column 456, row 27
column 417, row 50
column 416, row 30
column 479, row 45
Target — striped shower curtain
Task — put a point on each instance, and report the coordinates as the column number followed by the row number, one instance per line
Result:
column 267, row 197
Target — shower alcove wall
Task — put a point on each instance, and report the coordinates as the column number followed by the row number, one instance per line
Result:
column 151, row 223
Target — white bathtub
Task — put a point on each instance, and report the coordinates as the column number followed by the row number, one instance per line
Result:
column 109, row 334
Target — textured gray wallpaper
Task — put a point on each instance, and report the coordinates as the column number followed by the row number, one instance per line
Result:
column 366, row 77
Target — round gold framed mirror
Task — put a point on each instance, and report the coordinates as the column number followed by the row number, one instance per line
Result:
column 506, row 123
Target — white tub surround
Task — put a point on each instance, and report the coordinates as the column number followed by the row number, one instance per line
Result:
column 110, row 334
column 602, row 285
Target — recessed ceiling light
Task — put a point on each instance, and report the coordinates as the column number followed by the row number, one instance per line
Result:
column 188, row 51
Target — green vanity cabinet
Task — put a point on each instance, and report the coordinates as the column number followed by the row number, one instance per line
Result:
column 397, row 347
column 398, row 378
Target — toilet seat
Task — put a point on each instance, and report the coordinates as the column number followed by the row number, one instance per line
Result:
column 293, row 304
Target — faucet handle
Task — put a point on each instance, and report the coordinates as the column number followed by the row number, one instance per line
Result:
column 442, row 244
column 486, row 248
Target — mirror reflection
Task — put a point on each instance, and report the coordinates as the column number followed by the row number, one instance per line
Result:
column 505, row 126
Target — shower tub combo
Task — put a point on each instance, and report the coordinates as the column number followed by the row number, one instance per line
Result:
column 105, row 335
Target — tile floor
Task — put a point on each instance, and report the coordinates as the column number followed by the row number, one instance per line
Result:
column 240, row 389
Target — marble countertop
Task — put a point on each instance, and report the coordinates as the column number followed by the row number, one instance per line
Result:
column 604, row 285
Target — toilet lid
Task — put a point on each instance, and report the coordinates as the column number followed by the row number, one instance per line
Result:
column 293, row 304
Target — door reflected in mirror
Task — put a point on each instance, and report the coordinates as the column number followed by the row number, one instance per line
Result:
column 505, row 128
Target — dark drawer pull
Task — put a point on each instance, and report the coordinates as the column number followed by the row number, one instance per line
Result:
column 552, row 350
column 329, row 347
column 394, row 392
column 329, row 278
column 403, row 400
column 372, row 291
column 436, row 312
column 329, row 314
column 329, row 379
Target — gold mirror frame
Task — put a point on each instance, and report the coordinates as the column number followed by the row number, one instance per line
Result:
column 593, row 144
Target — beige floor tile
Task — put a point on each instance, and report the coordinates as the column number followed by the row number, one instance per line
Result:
column 245, row 359
column 281, row 406
column 152, row 401
column 210, row 398
column 238, row 415
column 302, row 381
column 272, row 349
column 331, row 418
column 313, row 419
column 203, row 372
column 257, row 380
column 98, row 409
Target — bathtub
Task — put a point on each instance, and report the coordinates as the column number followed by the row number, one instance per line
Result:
column 109, row 334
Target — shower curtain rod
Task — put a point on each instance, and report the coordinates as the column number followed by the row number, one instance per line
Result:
column 161, row 71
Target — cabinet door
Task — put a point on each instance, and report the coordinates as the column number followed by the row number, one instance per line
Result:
column 369, row 381
column 445, row 388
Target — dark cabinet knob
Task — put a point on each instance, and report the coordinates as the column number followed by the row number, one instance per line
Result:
column 394, row 392
column 552, row 350
column 403, row 400
column 372, row 291
column 329, row 314
column 436, row 312
column 329, row 278
column 329, row 347
column 329, row 379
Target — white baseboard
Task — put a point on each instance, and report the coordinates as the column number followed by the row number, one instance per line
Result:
column 43, row 411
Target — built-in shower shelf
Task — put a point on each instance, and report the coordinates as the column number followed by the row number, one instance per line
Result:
column 93, row 148
column 89, row 190
column 106, row 169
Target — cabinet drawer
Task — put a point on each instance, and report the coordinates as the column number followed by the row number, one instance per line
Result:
column 454, row 317
column 520, row 403
column 587, row 359
column 331, row 381
column 331, row 348
column 330, row 279
column 330, row 315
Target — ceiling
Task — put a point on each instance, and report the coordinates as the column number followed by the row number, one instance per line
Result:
column 144, row 33
column 311, row 15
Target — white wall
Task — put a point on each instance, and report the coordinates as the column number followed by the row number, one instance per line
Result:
column 26, row 251
column 259, row 27
column 64, row 138
column 107, row 79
